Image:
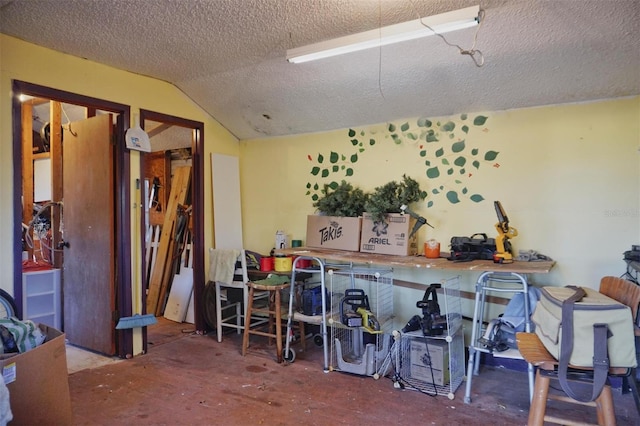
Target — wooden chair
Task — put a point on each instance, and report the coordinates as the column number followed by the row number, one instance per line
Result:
column 534, row 352
column 229, row 312
column 628, row 293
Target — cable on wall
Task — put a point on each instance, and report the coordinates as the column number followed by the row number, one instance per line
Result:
column 476, row 55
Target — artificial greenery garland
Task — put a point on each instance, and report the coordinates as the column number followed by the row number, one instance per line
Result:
column 346, row 200
column 389, row 197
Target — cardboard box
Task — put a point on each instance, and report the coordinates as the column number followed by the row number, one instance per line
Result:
column 423, row 361
column 38, row 382
column 390, row 237
column 333, row 232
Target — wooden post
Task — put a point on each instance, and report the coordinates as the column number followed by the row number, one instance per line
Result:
column 56, row 180
column 27, row 168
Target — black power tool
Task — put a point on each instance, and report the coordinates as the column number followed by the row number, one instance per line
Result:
column 358, row 313
column 431, row 322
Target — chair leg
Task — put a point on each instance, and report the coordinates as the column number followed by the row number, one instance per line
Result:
column 247, row 325
column 539, row 401
column 270, row 320
column 604, row 407
column 218, row 313
column 633, row 385
column 278, row 314
column 239, row 318
column 303, row 342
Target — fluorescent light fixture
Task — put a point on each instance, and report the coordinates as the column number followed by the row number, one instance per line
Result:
column 442, row 23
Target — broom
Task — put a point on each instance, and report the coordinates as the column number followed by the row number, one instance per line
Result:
column 137, row 320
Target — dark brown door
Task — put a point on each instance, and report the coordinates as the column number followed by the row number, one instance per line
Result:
column 88, row 228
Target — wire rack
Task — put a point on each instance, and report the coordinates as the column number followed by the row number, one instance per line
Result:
column 430, row 364
column 355, row 349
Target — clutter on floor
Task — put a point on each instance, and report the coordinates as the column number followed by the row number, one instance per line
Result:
column 255, row 390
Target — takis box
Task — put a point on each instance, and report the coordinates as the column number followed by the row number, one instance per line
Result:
column 333, row 232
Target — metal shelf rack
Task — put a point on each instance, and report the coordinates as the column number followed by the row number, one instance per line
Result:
column 415, row 357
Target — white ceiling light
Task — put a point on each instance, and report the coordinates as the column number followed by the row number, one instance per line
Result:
column 436, row 24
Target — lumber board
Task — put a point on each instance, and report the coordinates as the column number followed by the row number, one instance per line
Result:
column 161, row 272
column 181, row 288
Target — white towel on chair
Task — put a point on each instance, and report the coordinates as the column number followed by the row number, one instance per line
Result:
column 222, row 264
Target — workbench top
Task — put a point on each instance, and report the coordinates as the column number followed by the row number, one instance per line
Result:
column 537, row 267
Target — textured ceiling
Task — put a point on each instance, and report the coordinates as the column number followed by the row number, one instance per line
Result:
column 229, row 55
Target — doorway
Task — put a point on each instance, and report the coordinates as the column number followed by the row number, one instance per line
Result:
column 175, row 143
column 118, row 288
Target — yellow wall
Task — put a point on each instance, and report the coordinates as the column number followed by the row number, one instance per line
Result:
column 568, row 177
column 33, row 64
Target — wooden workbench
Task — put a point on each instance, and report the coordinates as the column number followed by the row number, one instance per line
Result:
column 344, row 256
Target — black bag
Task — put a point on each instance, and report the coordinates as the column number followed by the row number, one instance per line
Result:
column 478, row 246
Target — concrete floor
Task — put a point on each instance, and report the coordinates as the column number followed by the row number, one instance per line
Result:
column 188, row 379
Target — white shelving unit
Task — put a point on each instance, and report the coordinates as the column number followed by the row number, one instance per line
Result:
column 431, row 364
column 41, row 297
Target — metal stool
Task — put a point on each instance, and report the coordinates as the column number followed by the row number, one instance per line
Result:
column 273, row 310
column 534, row 352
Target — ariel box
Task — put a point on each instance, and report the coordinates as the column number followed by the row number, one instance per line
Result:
column 333, row 232
column 389, row 237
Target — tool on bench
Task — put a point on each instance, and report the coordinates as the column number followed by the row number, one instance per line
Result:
column 419, row 219
column 359, row 314
column 504, row 253
column 432, row 322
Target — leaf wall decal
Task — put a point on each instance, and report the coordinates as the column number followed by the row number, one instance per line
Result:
column 448, row 126
column 479, row 120
column 452, row 196
column 448, row 152
column 433, row 172
column 490, row 155
column 458, row 146
column 460, row 161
